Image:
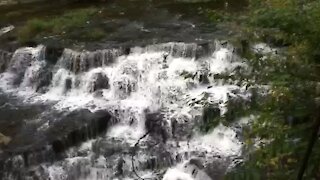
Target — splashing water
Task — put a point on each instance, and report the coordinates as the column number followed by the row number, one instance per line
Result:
column 167, row 79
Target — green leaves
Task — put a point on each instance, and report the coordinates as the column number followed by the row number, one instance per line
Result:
column 285, row 115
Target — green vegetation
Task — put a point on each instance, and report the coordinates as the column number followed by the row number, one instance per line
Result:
column 91, row 34
column 61, row 26
column 288, row 114
column 276, row 141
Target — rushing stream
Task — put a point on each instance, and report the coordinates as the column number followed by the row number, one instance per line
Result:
column 130, row 111
column 156, row 89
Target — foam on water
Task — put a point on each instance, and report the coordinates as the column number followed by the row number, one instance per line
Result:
column 185, row 171
column 175, row 174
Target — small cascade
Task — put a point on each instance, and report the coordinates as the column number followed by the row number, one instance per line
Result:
column 156, row 95
column 173, row 49
column 24, row 67
column 78, row 62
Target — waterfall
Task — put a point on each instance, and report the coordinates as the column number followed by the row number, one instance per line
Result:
column 159, row 89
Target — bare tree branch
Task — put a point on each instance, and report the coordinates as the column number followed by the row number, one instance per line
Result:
column 134, row 153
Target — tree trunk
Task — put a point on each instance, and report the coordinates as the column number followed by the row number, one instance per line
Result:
column 312, row 142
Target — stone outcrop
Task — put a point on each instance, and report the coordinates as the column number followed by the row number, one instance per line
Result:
column 4, row 140
column 11, row 2
column 34, row 146
column 4, row 60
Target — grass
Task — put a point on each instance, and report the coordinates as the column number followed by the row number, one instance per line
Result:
column 91, row 34
column 59, row 25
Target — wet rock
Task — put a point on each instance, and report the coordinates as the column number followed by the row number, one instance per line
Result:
column 4, row 60
column 65, row 130
column 77, row 127
column 127, row 50
column 21, row 60
column 100, row 81
column 44, row 80
column 125, row 85
column 4, row 140
column 156, row 125
column 109, row 147
column 181, row 126
column 155, row 156
column 14, row 115
column 245, row 46
column 98, row 94
column 120, row 166
column 53, row 53
column 236, row 107
column 203, row 79
column 174, row 125
column 68, row 84
column 197, row 163
column 203, row 49
column 216, row 169
column 209, row 115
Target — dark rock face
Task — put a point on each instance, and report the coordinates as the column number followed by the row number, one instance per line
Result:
column 181, row 126
column 197, row 163
column 78, row 126
column 44, row 80
column 216, row 169
column 209, row 114
column 109, row 147
column 68, row 84
column 204, row 49
column 203, row 79
column 156, row 126
column 4, row 60
column 32, row 146
column 100, row 81
column 14, row 115
column 53, row 54
column 69, row 129
column 125, row 85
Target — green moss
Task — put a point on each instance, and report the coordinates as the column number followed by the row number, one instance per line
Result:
column 217, row 16
column 93, row 35
column 33, row 28
column 59, row 25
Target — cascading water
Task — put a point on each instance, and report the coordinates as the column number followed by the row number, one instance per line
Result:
column 155, row 95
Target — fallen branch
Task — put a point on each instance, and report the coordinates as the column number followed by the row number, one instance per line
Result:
column 134, row 152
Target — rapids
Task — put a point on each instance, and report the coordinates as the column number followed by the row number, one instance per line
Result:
column 155, row 96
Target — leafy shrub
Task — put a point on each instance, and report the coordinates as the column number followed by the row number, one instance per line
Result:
column 286, row 116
